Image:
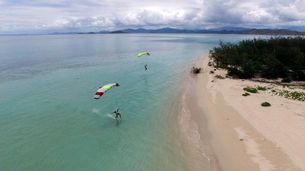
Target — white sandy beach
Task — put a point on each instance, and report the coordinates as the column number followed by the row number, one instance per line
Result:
column 243, row 135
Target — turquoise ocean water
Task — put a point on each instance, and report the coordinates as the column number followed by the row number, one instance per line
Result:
column 49, row 120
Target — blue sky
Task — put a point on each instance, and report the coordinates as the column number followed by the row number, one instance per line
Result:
column 30, row 16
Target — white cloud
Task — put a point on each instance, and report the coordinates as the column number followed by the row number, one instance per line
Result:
column 93, row 15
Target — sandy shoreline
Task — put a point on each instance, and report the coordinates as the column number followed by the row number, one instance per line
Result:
column 231, row 132
column 195, row 135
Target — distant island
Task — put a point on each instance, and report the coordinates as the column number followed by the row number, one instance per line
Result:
column 216, row 31
column 225, row 30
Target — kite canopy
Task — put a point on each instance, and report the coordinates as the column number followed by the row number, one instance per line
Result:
column 103, row 89
column 142, row 54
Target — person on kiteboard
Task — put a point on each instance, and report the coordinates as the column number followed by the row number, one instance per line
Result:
column 117, row 114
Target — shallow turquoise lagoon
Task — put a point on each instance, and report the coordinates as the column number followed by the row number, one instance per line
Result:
column 49, row 120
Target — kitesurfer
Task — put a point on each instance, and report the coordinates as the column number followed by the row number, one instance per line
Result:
column 117, row 114
column 145, row 66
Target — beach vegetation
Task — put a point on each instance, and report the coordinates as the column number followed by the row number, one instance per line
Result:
column 294, row 95
column 260, row 88
column 219, row 77
column 265, row 104
column 280, row 57
column 246, row 94
column 250, row 89
column 196, row 70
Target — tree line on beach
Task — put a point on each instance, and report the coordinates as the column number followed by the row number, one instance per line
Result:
column 279, row 57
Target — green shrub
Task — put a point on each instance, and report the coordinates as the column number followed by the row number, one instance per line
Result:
column 246, row 94
column 297, row 95
column 219, row 77
column 265, row 104
column 294, row 95
column 250, row 89
column 261, row 88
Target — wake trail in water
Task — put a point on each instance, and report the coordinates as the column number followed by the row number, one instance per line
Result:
column 97, row 112
column 110, row 116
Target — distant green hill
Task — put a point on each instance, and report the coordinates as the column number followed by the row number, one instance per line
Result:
column 225, row 30
column 222, row 30
column 273, row 32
